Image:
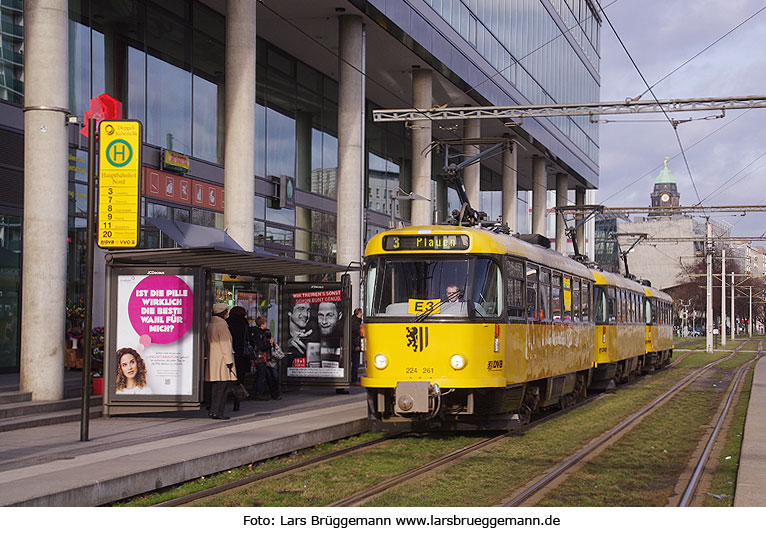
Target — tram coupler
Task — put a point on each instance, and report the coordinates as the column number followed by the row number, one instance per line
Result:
column 416, row 397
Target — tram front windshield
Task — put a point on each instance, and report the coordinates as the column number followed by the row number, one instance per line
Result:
column 455, row 287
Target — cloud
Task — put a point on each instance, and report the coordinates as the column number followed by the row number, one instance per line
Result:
column 660, row 36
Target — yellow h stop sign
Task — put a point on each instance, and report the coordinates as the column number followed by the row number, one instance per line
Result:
column 119, row 196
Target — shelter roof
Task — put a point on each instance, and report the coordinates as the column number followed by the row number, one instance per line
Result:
column 225, row 261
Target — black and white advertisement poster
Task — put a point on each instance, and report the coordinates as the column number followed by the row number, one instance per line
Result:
column 313, row 332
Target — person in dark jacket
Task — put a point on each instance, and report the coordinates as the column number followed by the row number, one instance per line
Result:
column 264, row 372
column 356, row 344
column 240, row 331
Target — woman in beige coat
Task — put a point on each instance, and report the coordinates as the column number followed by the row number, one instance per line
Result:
column 220, row 360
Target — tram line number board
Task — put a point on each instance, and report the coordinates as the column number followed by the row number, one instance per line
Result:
column 119, row 197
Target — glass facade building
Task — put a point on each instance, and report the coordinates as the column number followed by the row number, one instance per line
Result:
column 530, row 44
column 165, row 62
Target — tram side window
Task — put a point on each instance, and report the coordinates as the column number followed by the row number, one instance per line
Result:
column 600, row 307
column 648, row 311
column 488, row 288
column 575, row 299
column 611, row 314
column 585, row 301
column 617, row 305
column 556, row 297
column 532, row 277
column 514, row 288
column 633, row 309
column 624, row 306
column 545, row 295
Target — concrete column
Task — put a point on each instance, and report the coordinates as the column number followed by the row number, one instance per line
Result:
column 539, row 195
column 510, row 187
column 46, row 98
column 351, row 97
column 303, row 181
column 580, row 200
column 239, row 166
column 561, row 200
column 471, row 175
column 422, row 84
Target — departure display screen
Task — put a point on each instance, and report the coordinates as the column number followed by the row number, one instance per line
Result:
column 425, row 242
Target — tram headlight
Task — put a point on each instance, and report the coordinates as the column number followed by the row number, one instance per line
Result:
column 457, row 361
column 380, row 361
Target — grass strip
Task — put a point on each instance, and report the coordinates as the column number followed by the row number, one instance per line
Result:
column 724, row 480
column 210, row 481
column 488, row 477
column 338, row 479
column 642, row 469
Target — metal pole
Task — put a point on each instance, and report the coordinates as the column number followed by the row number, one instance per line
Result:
column 733, row 318
column 88, row 329
column 709, row 310
column 723, row 297
column 750, row 316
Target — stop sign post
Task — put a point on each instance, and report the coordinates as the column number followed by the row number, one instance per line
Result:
column 102, row 107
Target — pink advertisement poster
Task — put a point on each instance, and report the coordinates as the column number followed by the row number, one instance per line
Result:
column 155, row 340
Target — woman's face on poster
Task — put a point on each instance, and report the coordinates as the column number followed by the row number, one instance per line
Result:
column 128, row 365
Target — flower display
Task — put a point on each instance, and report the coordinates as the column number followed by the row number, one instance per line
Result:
column 97, row 348
column 75, row 313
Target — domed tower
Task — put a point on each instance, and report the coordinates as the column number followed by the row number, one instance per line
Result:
column 665, row 193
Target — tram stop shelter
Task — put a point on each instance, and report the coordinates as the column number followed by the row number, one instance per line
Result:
column 159, row 302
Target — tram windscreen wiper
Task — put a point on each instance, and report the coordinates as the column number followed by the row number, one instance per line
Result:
column 435, row 307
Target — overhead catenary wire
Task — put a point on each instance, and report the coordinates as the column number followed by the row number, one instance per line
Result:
column 643, row 78
column 655, row 168
column 703, row 50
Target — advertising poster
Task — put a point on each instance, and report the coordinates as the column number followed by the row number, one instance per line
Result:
column 314, row 347
column 249, row 301
column 154, row 351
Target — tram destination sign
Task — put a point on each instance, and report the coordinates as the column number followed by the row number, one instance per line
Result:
column 425, row 242
column 119, row 197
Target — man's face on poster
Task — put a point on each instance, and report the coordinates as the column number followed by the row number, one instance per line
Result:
column 327, row 316
column 300, row 316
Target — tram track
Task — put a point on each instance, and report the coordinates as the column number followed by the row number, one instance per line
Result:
column 689, row 493
column 541, row 485
column 239, row 483
column 441, row 462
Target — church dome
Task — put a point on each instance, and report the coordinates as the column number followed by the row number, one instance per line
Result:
column 665, row 176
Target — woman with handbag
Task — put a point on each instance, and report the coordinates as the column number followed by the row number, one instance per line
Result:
column 240, row 328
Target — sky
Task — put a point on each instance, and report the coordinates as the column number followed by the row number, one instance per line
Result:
column 729, row 153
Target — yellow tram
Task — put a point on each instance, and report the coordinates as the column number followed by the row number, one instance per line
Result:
column 466, row 329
